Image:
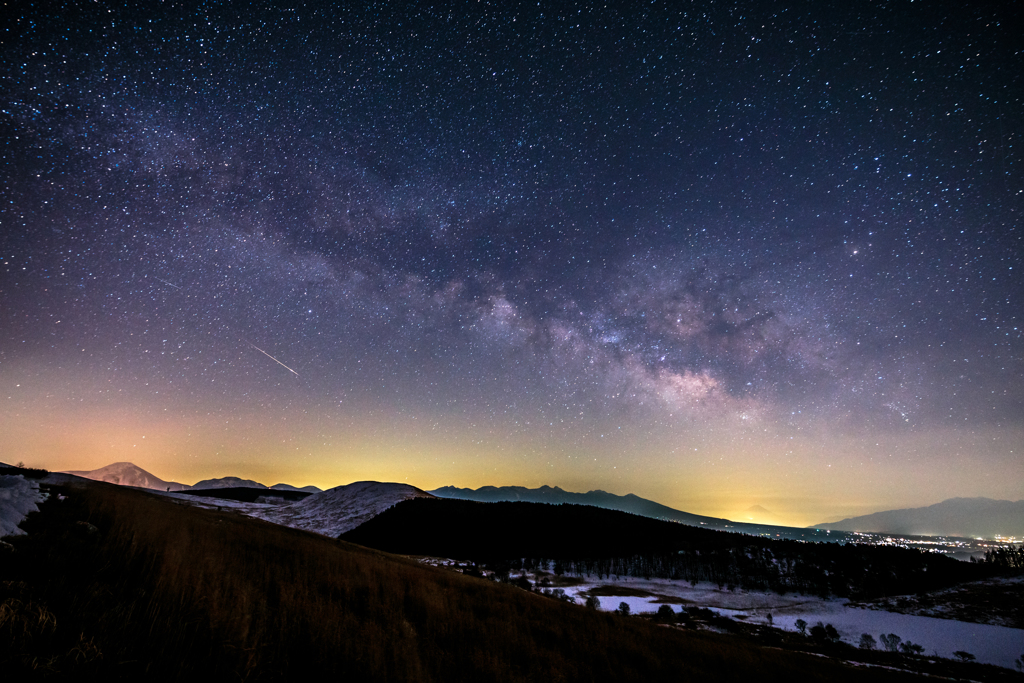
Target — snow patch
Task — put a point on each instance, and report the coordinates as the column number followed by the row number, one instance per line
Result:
column 341, row 509
column 991, row 644
column 18, row 497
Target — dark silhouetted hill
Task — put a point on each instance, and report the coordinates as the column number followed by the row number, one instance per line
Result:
column 585, row 539
column 601, row 499
column 635, row 505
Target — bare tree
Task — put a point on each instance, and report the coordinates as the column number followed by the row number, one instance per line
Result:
column 891, row 642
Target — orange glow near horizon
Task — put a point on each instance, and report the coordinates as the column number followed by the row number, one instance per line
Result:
column 721, row 472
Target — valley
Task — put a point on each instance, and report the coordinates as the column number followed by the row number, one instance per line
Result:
column 986, row 636
column 244, row 580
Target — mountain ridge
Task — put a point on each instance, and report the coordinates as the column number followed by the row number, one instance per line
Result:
column 963, row 517
column 629, row 502
column 228, row 483
column 130, row 474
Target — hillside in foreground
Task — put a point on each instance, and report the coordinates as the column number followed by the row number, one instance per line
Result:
column 122, row 584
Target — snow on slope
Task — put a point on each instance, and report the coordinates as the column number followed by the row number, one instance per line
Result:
column 18, row 497
column 128, row 474
column 991, row 644
column 337, row 510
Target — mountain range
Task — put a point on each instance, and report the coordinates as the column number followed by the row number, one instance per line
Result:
column 634, row 504
column 602, row 499
column 963, row 517
column 345, row 505
column 130, row 474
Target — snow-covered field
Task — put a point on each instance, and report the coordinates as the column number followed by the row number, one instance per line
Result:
column 998, row 645
column 18, row 497
column 991, row 644
column 998, row 601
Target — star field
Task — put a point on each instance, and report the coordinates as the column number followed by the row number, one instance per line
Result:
column 715, row 254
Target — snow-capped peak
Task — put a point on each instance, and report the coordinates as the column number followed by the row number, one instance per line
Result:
column 129, row 474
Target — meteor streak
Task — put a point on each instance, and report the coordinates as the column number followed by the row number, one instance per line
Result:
column 273, row 359
column 166, row 282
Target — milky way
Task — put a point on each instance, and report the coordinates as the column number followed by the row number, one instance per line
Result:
column 622, row 247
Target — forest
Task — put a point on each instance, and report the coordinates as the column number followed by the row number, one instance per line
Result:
column 577, row 539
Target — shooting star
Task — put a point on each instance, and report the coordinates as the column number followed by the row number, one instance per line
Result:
column 272, row 358
column 166, row 282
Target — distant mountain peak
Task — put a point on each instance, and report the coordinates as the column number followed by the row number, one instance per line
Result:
column 227, row 483
column 964, row 517
column 289, row 487
column 129, row 474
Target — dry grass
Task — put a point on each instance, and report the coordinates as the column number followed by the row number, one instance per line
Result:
column 150, row 588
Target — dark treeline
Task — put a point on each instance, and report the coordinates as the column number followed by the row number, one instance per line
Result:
column 1008, row 558
column 577, row 539
column 784, row 566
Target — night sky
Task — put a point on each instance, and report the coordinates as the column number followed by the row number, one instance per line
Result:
column 715, row 254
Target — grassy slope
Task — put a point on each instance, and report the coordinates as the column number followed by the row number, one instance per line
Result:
column 124, row 584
